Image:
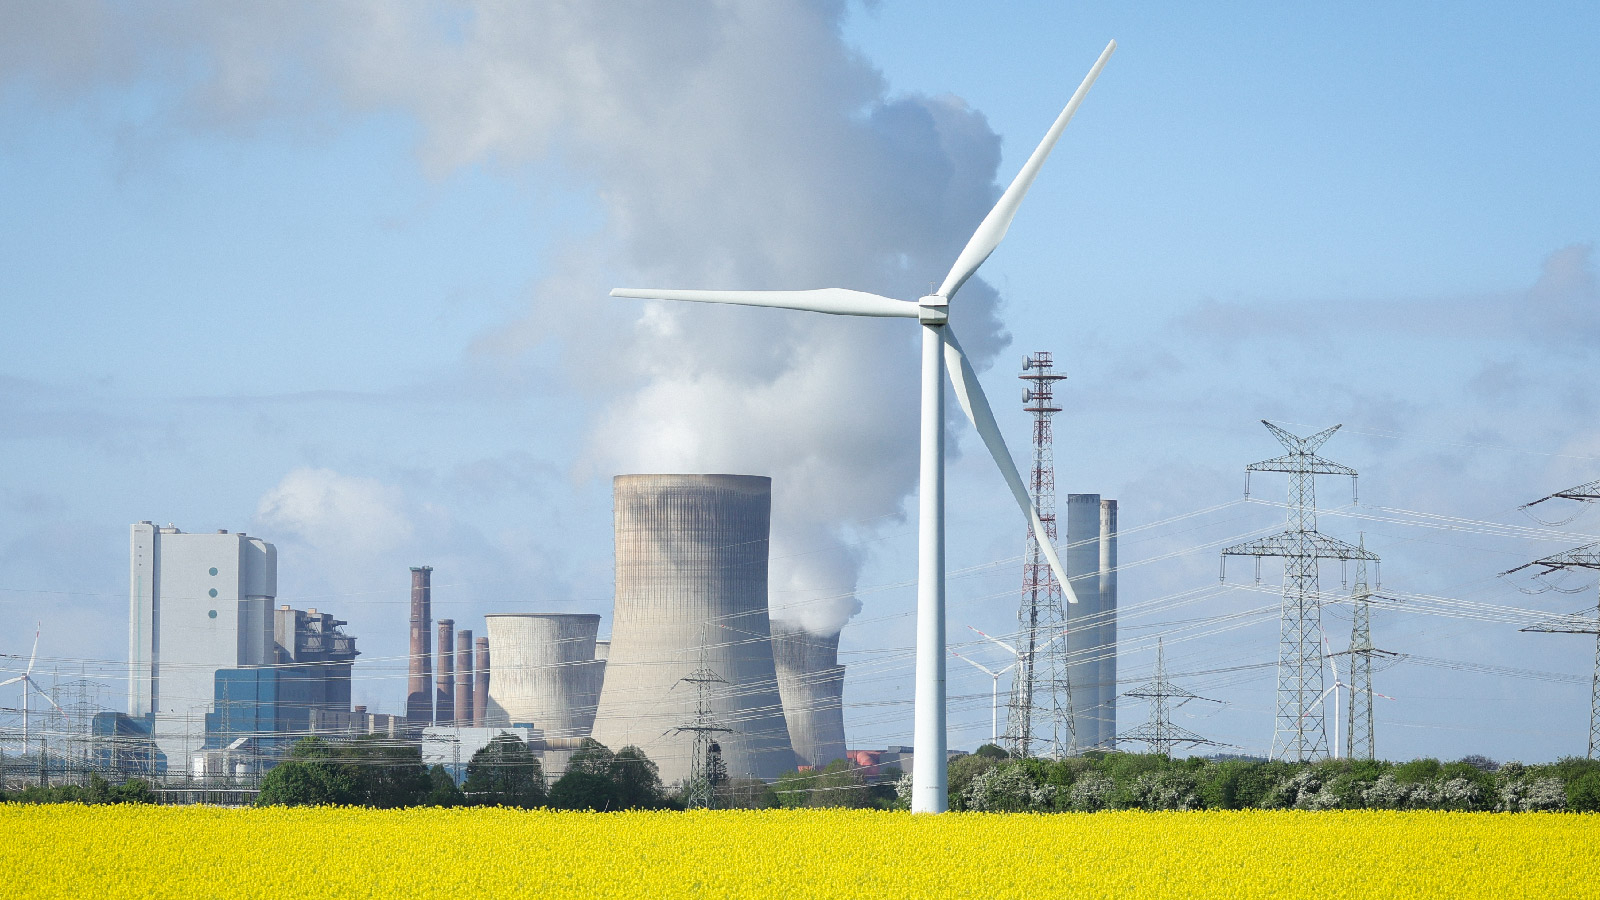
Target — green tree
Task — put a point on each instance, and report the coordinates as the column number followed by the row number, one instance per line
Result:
column 992, row 751
column 961, row 772
column 591, row 758
column 583, row 790
column 749, row 793
column 505, row 773
column 1583, row 793
column 307, row 783
column 443, row 791
column 635, row 780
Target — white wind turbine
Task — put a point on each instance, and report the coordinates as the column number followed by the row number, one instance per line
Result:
column 929, row 768
column 26, row 678
column 1332, row 689
column 994, row 694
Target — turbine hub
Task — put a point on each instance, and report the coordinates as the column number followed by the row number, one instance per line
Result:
column 935, row 310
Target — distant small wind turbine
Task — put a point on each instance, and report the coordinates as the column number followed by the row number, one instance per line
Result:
column 1337, row 684
column 26, row 678
column 929, row 768
column 994, row 694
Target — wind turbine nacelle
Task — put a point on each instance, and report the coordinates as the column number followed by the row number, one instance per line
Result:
column 934, row 310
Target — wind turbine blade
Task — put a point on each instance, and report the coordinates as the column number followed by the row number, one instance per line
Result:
column 1012, row 650
column 980, row 665
column 834, row 301
column 1318, row 703
column 40, row 691
column 970, row 393
column 35, row 654
column 12, row 680
column 994, row 226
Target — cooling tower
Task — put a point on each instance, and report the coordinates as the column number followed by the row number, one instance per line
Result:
column 1082, row 560
column 480, row 690
column 419, row 687
column 1107, row 638
column 545, row 673
column 691, row 585
column 811, row 683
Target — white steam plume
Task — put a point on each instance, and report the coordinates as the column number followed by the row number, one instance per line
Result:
column 730, row 143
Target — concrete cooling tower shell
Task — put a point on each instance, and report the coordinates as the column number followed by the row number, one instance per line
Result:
column 811, row 683
column 691, row 556
column 545, row 673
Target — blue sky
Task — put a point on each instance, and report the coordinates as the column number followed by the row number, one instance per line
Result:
column 336, row 277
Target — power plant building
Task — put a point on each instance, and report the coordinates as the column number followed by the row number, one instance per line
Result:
column 197, row 603
column 811, row 683
column 1091, row 560
column 691, row 596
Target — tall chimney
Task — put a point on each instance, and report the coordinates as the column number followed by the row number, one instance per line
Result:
column 464, row 677
column 419, row 691
column 480, row 691
column 444, row 702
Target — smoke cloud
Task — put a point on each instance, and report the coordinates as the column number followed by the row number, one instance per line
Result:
column 726, row 143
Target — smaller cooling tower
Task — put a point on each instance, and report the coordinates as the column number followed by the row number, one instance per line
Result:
column 545, row 673
column 811, row 683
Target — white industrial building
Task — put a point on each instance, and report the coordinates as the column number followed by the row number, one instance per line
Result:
column 196, row 603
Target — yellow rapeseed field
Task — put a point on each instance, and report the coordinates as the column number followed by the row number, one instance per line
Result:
column 96, row 853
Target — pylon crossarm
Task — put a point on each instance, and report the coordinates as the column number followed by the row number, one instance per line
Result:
column 1297, row 463
column 1584, row 492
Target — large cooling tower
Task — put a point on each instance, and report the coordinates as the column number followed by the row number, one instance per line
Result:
column 691, row 587
column 545, row 673
column 811, row 683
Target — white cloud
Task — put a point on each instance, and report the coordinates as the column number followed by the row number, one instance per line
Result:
column 340, row 517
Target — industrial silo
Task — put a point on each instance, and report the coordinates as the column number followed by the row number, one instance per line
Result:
column 1107, row 629
column 1084, row 619
column 811, row 683
column 691, row 596
column 545, row 673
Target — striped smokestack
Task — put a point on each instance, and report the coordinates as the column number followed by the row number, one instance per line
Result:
column 480, row 691
column 444, row 701
column 419, row 691
column 464, row 677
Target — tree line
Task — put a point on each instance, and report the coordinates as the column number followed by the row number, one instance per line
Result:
column 989, row 780
column 379, row 773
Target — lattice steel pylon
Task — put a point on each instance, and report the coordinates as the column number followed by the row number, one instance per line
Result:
column 1159, row 732
column 1041, row 617
column 1300, row 729
column 1360, row 740
column 1585, row 557
column 707, row 769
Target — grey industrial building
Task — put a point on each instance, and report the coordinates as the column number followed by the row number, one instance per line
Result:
column 212, row 663
column 1091, row 563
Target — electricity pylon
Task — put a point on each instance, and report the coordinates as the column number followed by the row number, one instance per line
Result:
column 1585, row 557
column 707, row 768
column 1159, row 732
column 1300, row 731
column 1041, row 616
column 1360, row 741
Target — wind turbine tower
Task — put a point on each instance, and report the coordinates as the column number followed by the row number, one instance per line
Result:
column 1300, row 731
column 1041, row 613
column 931, row 739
